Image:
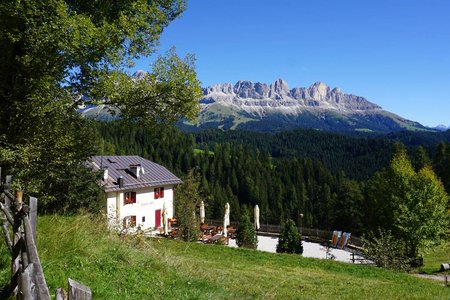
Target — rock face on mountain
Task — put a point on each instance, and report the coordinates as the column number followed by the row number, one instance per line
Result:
column 275, row 107
column 259, row 97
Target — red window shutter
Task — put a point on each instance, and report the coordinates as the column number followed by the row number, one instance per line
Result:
column 133, row 197
column 126, row 198
column 161, row 192
column 156, row 192
column 133, row 221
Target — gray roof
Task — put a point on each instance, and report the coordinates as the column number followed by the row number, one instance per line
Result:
column 154, row 175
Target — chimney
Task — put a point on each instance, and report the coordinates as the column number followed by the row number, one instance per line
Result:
column 136, row 170
column 105, row 174
column 120, row 181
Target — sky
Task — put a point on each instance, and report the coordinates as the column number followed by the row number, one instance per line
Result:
column 395, row 53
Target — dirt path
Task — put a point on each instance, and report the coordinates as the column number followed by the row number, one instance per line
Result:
column 434, row 277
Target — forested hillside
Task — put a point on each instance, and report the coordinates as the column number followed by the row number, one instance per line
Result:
column 319, row 174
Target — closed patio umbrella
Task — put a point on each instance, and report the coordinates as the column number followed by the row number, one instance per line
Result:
column 202, row 212
column 164, row 215
column 226, row 219
column 256, row 217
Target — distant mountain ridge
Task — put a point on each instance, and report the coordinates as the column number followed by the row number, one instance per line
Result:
column 276, row 107
column 278, row 94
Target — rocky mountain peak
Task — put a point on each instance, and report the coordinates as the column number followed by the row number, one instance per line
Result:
column 279, row 89
column 278, row 95
column 319, row 91
column 139, row 74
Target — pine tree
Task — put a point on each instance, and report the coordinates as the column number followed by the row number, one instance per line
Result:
column 290, row 240
column 186, row 202
column 246, row 235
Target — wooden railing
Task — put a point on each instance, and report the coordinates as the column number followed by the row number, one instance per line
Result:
column 27, row 276
column 310, row 233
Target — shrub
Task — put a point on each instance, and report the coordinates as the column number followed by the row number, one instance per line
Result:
column 246, row 234
column 290, row 239
column 386, row 251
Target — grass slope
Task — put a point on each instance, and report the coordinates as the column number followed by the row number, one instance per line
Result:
column 434, row 258
column 79, row 247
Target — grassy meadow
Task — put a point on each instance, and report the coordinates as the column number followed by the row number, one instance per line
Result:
column 81, row 248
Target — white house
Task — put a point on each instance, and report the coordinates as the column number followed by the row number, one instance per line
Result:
column 136, row 190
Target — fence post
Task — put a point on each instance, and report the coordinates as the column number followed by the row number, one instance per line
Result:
column 59, row 294
column 16, row 247
column 78, row 291
column 33, row 257
column 8, row 182
column 33, row 215
column 26, row 285
column 7, row 188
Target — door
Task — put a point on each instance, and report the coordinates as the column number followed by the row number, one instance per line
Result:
column 157, row 218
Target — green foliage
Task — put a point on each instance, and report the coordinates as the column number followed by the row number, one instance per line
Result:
column 386, row 251
column 233, row 171
column 56, row 55
column 290, row 240
column 246, row 234
column 412, row 205
column 433, row 258
column 50, row 164
column 187, row 199
column 441, row 163
column 172, row 79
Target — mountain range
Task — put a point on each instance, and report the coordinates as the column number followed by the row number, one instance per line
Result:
column 276, row 107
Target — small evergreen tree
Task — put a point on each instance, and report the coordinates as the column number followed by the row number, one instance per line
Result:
column 290, row 240
column 186, row 202
column 246, row 234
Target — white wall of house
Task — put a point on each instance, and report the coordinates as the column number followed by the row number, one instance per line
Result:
column 144, row 209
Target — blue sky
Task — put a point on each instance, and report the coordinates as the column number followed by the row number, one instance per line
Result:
column 396, row 53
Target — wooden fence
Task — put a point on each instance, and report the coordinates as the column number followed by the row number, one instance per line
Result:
column 27, row 277
column 308, row 233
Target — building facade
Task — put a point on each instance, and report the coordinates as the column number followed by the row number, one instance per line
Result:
column 139, row 193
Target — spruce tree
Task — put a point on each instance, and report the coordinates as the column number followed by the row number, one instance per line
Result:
column 246, row 235
column 186, row 202
column 290, row 240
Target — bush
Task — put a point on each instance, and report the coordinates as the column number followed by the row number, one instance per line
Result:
column 290, row 240
column 246, row 234
column 386, row 251
column 186, row 202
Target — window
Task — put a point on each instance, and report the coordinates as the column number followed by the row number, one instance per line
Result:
column 159, row 193
column 129, row 197
column 129, row 221
column 143, row 219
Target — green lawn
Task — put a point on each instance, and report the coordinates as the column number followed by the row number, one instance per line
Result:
column 80, row 248
column 433, row 259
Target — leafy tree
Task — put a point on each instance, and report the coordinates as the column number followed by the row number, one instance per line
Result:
column 290, row 240
column 56, row 55
column 187, row 199
column 412, row 205
column 246, row 234
column 386, row 251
